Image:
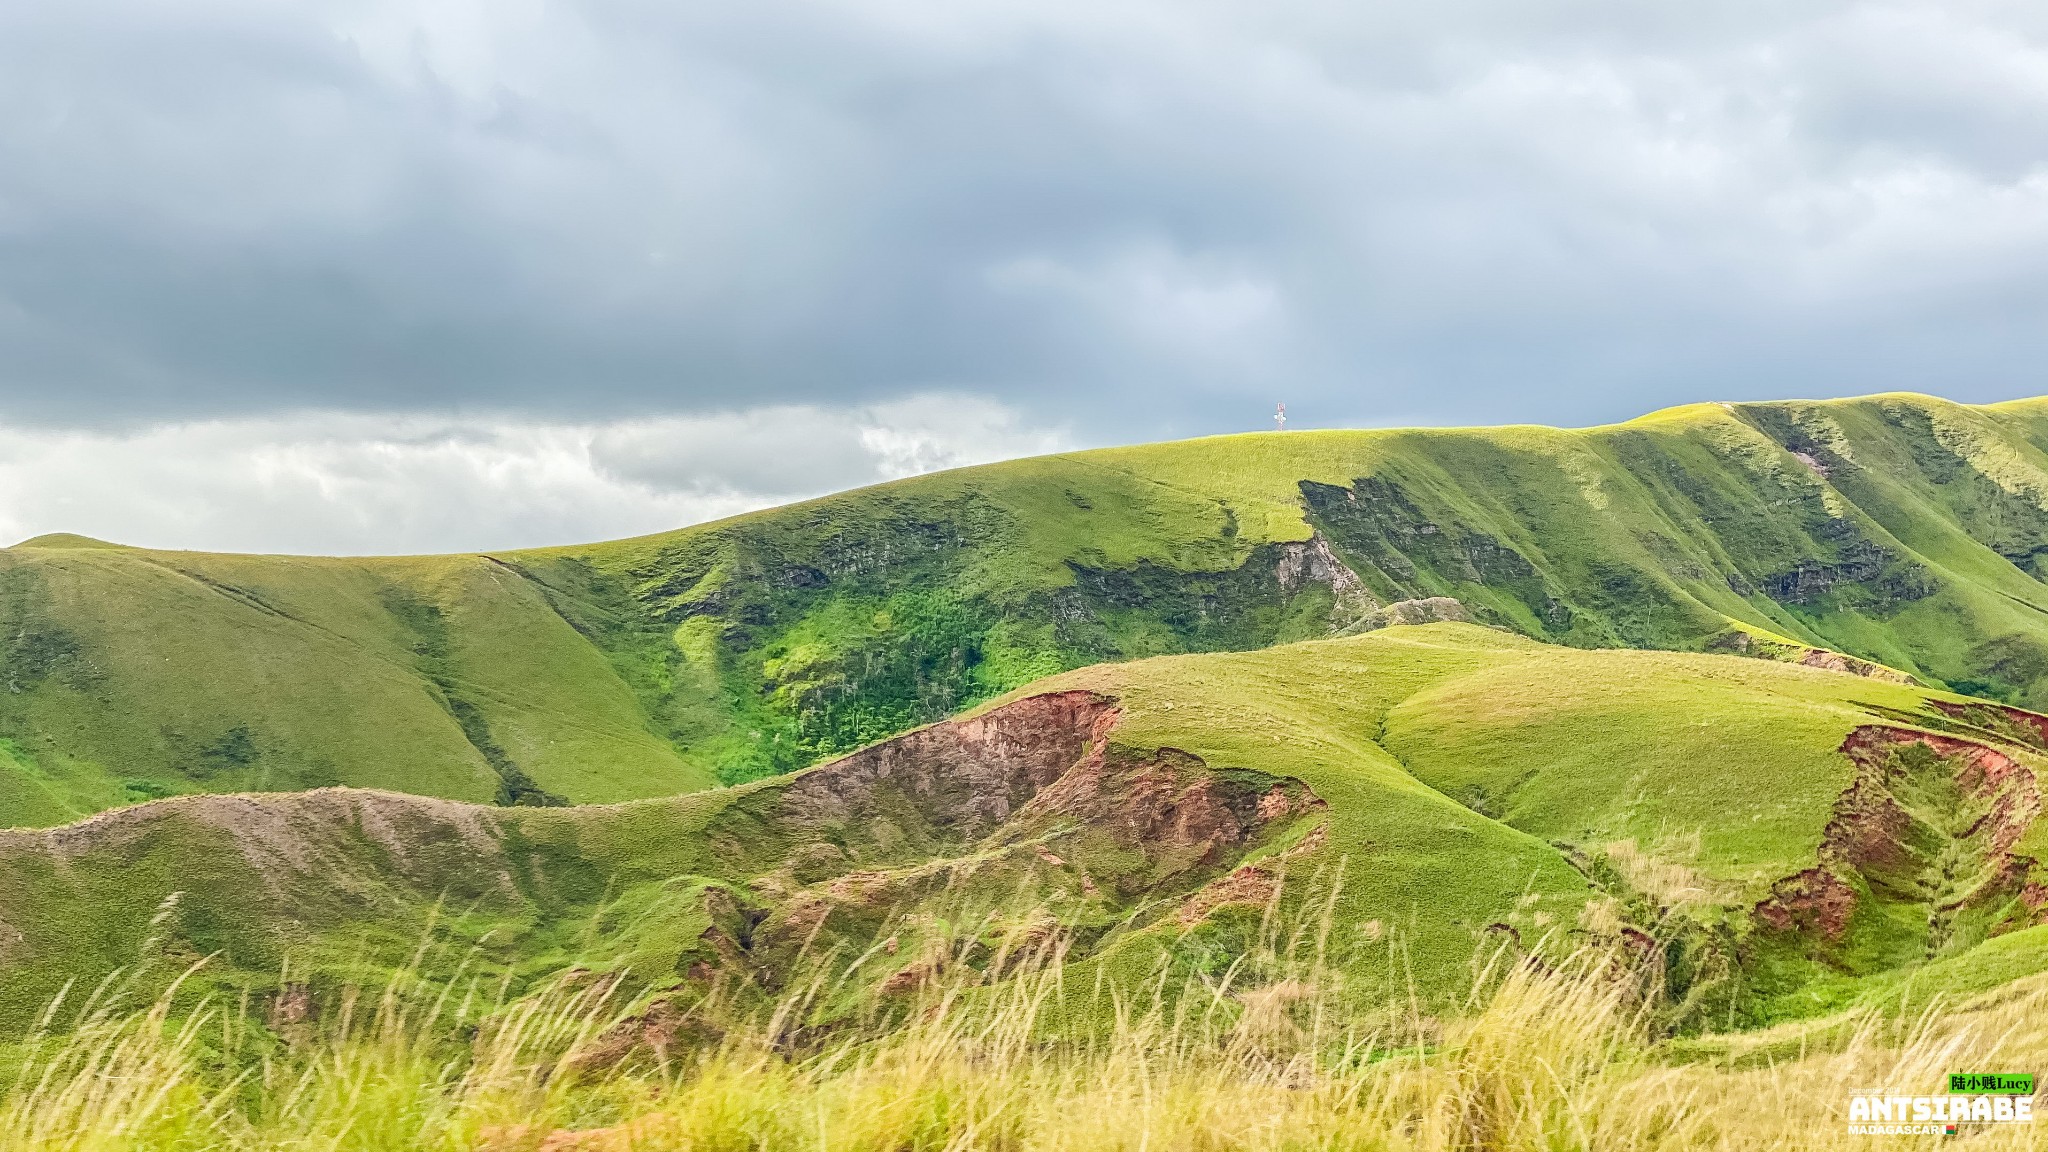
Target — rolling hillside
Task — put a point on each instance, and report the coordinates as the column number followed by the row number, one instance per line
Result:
column 1784, row 839
column 1902, row 531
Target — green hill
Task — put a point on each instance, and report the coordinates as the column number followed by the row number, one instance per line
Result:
column 132, row 674
column 1786, row 838
column 1903, row 531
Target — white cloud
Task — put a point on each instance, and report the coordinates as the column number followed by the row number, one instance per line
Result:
column 343, row 483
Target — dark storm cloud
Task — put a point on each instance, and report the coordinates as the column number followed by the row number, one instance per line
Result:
column 1134, row 219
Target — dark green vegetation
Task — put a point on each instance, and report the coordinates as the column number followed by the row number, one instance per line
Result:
column 1897, row 529
column 1778, row 840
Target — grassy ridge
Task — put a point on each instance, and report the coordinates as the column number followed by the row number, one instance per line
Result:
column 1900, row 529
column 1475, row 786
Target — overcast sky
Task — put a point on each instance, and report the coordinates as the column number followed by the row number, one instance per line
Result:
column 354, row 275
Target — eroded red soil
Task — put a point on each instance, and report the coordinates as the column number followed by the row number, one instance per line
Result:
column 1930, row 819
column 1031, row 797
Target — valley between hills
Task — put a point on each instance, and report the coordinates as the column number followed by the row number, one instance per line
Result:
column 1744, row 692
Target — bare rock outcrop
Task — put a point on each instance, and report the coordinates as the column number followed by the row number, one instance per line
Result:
column 1312, row 561
column 960, row 779
column 1429, row 610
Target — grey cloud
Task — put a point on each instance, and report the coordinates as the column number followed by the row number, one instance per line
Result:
column 1136, row 219
column 778, row 452
column 789, row 451
column 339, row 482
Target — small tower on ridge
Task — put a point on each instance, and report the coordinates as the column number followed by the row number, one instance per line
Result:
column 1280, row 418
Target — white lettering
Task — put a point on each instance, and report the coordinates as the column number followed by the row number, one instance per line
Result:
column 1907, row 1114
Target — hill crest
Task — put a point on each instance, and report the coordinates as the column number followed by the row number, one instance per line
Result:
column 1887, row 534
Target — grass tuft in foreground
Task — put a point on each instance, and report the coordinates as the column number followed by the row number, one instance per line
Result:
column 1546, row 1056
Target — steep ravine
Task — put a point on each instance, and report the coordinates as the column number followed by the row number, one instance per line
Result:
column 1917, row 862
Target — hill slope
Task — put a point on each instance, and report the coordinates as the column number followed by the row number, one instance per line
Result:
column 131, row 674
column 1901, row 530
column 1780, row 834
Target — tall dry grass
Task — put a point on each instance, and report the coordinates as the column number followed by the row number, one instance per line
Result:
column 1547, row 1056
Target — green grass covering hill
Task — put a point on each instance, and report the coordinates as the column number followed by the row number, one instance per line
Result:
column 1784, row 838
column 131, row 675
column 1901, row 530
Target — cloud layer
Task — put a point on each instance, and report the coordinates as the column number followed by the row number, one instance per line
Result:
column 1132, row 219
column 329, row 482
column 1171, row 213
